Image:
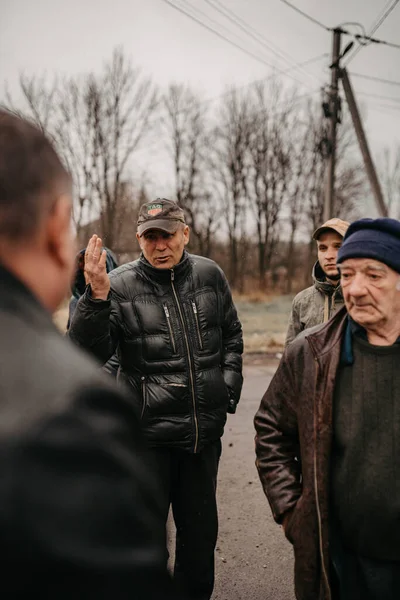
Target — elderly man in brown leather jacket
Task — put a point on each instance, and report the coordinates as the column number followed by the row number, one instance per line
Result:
column 319, row 302
column 328, row 431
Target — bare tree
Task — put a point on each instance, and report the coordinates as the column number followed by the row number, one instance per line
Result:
column 390, row 176
column 296, row 192
column 189, row 133
column 123, row 103
column 270, row 160
column 231, row 169
column 350, row 180
column 97, row 124
column 39, row 100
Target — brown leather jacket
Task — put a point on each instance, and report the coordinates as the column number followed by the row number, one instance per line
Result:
column 293, row 446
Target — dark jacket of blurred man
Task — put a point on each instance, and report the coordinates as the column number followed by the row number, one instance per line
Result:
column 328, row 431
column 319, row 302
column 79, row 516
column 180, row 345
column 78, row 289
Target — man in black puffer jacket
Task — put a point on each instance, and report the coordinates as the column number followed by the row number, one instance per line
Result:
column 180, row 344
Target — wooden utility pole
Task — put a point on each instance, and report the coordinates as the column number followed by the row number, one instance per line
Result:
column 362, row 140
column 333, row 119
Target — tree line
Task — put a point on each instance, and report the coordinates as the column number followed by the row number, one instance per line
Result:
column 248, row 169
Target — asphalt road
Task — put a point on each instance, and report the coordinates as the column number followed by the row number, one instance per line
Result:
column 254, row 561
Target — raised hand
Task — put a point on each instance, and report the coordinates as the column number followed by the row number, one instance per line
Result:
column 95, row 269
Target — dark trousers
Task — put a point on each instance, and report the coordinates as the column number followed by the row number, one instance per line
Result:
column 189, row 483
column 359, row 578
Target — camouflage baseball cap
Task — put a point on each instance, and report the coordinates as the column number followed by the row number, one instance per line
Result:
column 160, row 214
column 336, row 224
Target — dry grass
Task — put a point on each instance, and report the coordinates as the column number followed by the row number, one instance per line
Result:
column 264, row 323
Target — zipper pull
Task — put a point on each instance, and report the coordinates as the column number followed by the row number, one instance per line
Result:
column 194, row 308
column 172, row 275
column 166, row 311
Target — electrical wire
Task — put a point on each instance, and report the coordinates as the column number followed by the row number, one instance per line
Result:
column 384, row 16
column 255, row 35
column 379, row 96
column 195, row 9
column 364, row 40
column 378, row 22
column 306, row 15
column 220, row 35
column 379, row 79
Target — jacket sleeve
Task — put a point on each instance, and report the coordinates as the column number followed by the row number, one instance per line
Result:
column 277, row 442
column 111, row 366
column 232, row 340
column 95, row 325
column 84, row 502
column 294, row 327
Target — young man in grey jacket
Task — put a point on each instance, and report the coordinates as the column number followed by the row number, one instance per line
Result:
column 319, row 302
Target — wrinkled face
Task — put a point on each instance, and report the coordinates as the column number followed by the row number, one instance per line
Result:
column 164, row 250
column 328, row 244
column 370, row 291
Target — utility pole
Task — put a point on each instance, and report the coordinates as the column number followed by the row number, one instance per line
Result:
column 362, row 140
column 333, row 120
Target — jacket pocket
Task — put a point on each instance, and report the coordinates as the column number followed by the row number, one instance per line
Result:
column 171, row 333
column 290, row 531
column 197, row 324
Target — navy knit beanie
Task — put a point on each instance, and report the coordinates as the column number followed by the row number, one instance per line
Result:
column 373, row 238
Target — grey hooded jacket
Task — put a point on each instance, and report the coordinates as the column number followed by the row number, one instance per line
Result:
column 314, row 305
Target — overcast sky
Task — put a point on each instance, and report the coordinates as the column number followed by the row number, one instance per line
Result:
column 69, row 37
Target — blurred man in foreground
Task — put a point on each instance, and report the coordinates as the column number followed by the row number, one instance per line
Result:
column 78, row 511
column 319, row 302
column 328, row 431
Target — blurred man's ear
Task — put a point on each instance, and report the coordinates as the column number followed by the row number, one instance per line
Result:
column 59, row 236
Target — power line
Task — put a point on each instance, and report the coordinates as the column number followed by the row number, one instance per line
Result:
column 384, row 17
column 379, row 96
column 253, row 33
column 306, row 15
column 373, row 40
column 358, row 37
column 379, row 79
column 220, row 35
column 378, row 22
column 216, row 23
column 309, row 61
column 154, row 139
column 385, row 109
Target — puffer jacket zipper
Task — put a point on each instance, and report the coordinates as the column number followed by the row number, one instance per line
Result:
column 170, row 328
column 178, row 304
column 196, row 318
column 143, row 380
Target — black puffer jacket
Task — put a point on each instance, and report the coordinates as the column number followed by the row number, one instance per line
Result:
column 180, row 345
